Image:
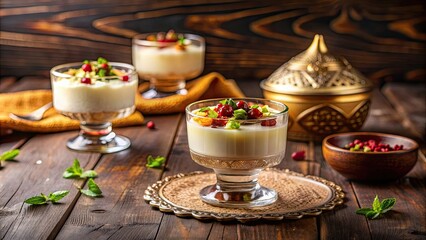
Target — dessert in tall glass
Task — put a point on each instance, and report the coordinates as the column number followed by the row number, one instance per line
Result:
column 237, row 138
column 95, row 93
column 167, row 60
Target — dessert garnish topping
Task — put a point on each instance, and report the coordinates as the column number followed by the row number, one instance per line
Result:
column 170, row 37
column 75, row 171
column 43, row 199
column 378, row 208
column 232, row 114
column 91, row 71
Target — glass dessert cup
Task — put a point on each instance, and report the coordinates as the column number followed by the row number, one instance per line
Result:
column 237, row 156
column 167, row 65
column 95, row 105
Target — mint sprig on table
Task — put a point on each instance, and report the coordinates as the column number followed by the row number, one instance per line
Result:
column 43, row 199
column 75, row 171
column 157, row 162
column 9, row 155
column 92, row 190
column 378, row 209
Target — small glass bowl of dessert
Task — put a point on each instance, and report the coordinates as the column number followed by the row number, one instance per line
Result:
column 167, row 60
column 95, row 93
column 237, row 138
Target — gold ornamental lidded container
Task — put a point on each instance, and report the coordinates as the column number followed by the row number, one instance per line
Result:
column 325, row 94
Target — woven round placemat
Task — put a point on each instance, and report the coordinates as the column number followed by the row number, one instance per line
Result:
column 298, row 195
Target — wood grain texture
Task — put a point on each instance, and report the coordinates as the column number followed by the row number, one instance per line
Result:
column 26, row 178
column 122, row 213
column 409, row 102
column 385, row 40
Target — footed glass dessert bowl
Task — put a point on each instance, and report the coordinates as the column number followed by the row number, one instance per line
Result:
column 95, row 93
column 167, row 60
column 237, row 138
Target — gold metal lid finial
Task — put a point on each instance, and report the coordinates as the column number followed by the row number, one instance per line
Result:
column 317, row 45
column 315, row 71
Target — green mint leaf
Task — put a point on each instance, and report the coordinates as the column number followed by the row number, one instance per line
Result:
column 372, row 214
column 378, row 207
column 75, row 171
column 240, row 114
column 58, row 195
column 94, row 187
column 9, row 155
column 155, row 162
column 36, row 200
column 232, row 124
column 387, row 204
column 89, row 193
column 89, row 174
column 229, row 101
column 376, row 204
column 363, row 211
column 232, row 103
column 70, row 173
column 102, row 60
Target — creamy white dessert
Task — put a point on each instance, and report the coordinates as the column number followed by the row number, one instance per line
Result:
column 251, row 141
column 236, row 135
column 76, row 97
column 168, row 62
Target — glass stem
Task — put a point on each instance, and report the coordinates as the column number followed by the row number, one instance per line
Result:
column 97, row 133
column 237, row 180
column 101, row 129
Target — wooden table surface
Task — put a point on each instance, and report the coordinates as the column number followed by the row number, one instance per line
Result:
column 123, row 214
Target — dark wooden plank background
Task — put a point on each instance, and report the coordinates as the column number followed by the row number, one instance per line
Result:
column 386, row 40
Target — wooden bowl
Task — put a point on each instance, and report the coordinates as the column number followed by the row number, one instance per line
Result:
column 370, row 166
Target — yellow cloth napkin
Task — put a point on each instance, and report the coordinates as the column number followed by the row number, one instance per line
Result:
column 212, row 85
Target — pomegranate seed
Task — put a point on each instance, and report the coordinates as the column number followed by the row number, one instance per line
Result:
column 226, row 111
column 86, row 80
column 300, row 155
column 125, row 78
column 357, row 141
column 86, row 67
column 104, row 66
column 269, row 123
column 150, row 125
column 219, row 122
column 242, row 105
column 218, row 107
column 351, row 145
column 254, row 113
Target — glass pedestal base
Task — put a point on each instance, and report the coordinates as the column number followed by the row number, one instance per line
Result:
column 238, row 189
column 98, row 138
column 107, row 144
column 152, row 93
